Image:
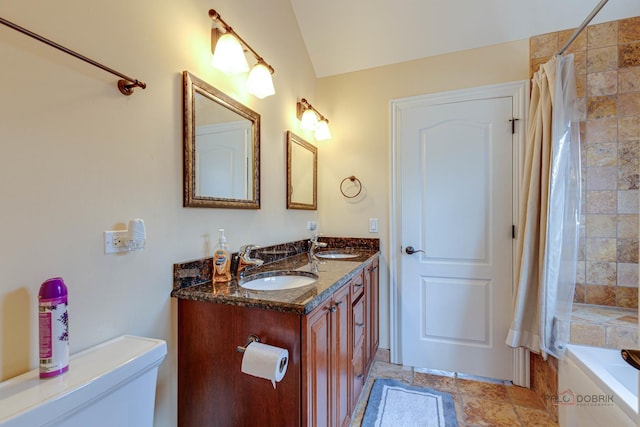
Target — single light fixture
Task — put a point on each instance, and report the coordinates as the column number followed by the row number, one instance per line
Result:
column 228, row 55
column 322, row 130
column 311, row 119
column 233, row 59
column 259, row 82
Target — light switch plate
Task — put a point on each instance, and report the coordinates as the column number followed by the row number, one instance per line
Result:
column 373, row 225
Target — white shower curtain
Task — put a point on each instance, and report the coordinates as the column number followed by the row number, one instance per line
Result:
column 549, row 214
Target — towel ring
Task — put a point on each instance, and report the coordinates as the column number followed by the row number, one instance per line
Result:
column 354, row 180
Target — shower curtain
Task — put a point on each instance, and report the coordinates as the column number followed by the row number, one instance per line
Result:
column 549, row 214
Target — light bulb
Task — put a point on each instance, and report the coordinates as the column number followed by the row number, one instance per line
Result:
column 322, row 130
column 228, row 56
column 259, row 82
column 309, row 120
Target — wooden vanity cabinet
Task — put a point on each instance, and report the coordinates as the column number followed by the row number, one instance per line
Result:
column 330, row 352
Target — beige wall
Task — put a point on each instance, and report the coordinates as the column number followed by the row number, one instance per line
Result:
column 358, row 104
column 79, row 158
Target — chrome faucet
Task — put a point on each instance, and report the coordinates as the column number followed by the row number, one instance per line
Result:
column 313, row 245
column 245, row 260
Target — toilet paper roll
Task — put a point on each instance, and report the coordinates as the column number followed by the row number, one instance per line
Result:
column 265, row 361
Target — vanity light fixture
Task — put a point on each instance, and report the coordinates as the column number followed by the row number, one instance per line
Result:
column 229, row 57
column 311, row 119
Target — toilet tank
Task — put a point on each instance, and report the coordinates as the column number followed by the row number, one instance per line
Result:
column 111, row 384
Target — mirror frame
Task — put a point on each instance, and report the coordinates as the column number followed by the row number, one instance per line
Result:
column 191, row 86
column 292, row 138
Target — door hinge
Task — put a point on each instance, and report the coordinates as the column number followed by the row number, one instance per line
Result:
column 513, row 125
column 513, row 231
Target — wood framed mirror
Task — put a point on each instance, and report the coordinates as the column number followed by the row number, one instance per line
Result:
column 221, row 143
column 302, row 173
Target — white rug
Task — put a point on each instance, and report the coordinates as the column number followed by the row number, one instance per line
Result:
column 396, row 404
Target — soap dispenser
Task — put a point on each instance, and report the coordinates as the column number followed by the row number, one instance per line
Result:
column 222, row 260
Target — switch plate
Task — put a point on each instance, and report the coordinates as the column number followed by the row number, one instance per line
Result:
column 312, row 225
column 373, row 225
column 115, row 242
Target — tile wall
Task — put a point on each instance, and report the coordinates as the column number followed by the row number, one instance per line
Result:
column 607, row 58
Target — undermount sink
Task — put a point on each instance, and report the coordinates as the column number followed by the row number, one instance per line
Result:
column 278, row 280
column 337, row 254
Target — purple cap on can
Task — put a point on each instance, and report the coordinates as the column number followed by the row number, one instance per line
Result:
column 52, row 288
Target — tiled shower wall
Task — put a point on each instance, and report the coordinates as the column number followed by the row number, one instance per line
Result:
column 607, row 60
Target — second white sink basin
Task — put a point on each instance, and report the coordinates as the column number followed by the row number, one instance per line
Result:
column 337, row 254
column 278, row 280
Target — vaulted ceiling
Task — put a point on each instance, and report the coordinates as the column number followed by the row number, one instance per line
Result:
column 349, row 35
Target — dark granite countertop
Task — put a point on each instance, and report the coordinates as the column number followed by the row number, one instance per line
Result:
column 332, row 274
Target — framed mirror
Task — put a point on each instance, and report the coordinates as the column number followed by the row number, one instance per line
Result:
column 302, row 173
column 221, row 143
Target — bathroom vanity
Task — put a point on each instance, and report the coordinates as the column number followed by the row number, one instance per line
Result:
column 330, row 329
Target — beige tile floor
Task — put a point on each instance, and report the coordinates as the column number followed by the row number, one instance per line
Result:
column 478, row 402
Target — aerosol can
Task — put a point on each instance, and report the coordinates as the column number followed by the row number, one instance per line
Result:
column 53, row 322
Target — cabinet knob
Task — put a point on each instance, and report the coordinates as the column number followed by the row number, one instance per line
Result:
column 360, row 376
column 338, row 303
column 333, row 309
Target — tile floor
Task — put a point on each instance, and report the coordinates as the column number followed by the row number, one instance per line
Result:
column 478, row 403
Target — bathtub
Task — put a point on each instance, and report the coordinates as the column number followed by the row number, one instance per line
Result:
column 596, row 387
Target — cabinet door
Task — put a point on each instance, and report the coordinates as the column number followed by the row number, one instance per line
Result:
column 374, row 310
column 319, row 366
column 341, row 325
column 372, row 316
column 357, row 359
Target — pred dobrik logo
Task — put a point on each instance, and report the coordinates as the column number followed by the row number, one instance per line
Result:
column 568, row 397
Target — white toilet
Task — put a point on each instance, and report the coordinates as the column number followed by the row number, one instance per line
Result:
column 111, row 384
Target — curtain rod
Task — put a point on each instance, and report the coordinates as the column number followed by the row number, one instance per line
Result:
column 125, row 85
column 582, row 26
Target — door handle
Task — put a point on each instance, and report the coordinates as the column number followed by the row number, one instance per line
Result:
column 410, row 250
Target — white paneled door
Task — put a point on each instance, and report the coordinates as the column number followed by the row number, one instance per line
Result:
column 454, row 293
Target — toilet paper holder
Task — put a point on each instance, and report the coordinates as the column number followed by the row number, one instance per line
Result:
column 251, row 338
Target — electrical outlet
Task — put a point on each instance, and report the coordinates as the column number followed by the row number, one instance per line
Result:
column 115, row 242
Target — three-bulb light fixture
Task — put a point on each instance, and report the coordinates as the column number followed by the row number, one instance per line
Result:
column 311, row 119
column 229, row 57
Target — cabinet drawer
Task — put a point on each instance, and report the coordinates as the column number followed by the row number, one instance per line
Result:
column 357, row 287
column 358, row 376
column 358, row 323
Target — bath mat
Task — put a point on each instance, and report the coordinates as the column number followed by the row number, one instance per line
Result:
column 394, row 404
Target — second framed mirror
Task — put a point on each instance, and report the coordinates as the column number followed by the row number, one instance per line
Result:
column 302, row 173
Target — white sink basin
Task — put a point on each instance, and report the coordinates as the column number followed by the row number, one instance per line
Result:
column 337, row 254
column 278, row 280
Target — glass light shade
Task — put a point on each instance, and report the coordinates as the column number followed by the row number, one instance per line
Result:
column 228, row 56
column 322, row 131
column 259, row 82
column 309, row 120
